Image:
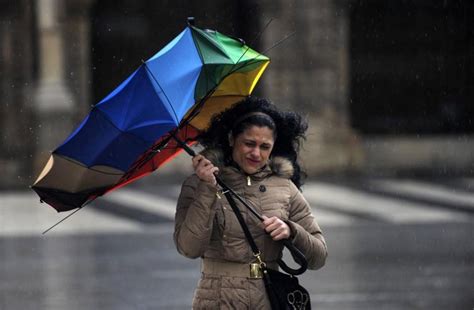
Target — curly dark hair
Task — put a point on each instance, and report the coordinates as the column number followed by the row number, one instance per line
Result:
column 289, row 130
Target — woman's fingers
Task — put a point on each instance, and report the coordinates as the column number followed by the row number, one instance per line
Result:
column 200, row 160
column 271, row 223
column 196, row 160
column 208, row 174
column 280, row 233
column 277, row 229
column 211, row 175
column 204, row 169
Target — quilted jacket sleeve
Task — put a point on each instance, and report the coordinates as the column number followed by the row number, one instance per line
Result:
column 194, row 217
column 305, row 232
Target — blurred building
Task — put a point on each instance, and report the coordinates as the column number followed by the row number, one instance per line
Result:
column 386, row 85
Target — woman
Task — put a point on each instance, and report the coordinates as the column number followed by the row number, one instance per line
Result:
column 253, row 147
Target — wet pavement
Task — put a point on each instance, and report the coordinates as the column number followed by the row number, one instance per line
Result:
column 374, row 263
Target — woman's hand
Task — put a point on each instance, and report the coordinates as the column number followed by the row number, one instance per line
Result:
column 204, row 169
column 277, row 229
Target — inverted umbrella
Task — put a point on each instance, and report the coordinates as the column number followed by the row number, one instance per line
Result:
column 134, row 129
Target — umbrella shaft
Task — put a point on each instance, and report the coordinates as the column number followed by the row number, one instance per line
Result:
column 183, row 145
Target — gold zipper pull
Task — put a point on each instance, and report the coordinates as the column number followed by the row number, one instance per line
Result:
column 249, row 181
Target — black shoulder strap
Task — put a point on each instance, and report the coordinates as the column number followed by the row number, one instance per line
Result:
column 242, row 223
column 298, row 257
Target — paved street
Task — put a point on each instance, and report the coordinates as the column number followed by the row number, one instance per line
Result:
column 393, row 243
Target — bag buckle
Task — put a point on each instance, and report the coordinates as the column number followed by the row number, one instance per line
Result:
column 255, row 271
column 256, row 268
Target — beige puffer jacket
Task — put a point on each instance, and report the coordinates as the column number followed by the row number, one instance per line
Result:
column 206, row 227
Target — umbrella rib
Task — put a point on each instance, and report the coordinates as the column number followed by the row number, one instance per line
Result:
column 164, row 93
column 279, row 42
column 150, row 153
column 254, row 60
column 255, row 39
column 62, row 220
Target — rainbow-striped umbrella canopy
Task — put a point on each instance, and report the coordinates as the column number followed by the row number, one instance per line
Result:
column 129, row 133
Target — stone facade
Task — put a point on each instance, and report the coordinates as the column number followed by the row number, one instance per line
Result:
column 309, row 73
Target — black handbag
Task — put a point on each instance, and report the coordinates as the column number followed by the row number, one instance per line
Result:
column 283, row 290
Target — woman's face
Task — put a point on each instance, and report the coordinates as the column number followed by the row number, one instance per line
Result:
column 252, row 148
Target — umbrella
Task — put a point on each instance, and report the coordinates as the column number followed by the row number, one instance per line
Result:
column 143, row 122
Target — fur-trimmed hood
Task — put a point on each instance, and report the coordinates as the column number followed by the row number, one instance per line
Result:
column 278, row 165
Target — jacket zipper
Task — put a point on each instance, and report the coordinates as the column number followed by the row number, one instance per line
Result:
column 249, row 181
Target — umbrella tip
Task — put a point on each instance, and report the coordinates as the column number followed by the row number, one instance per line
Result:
column 191, row 20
